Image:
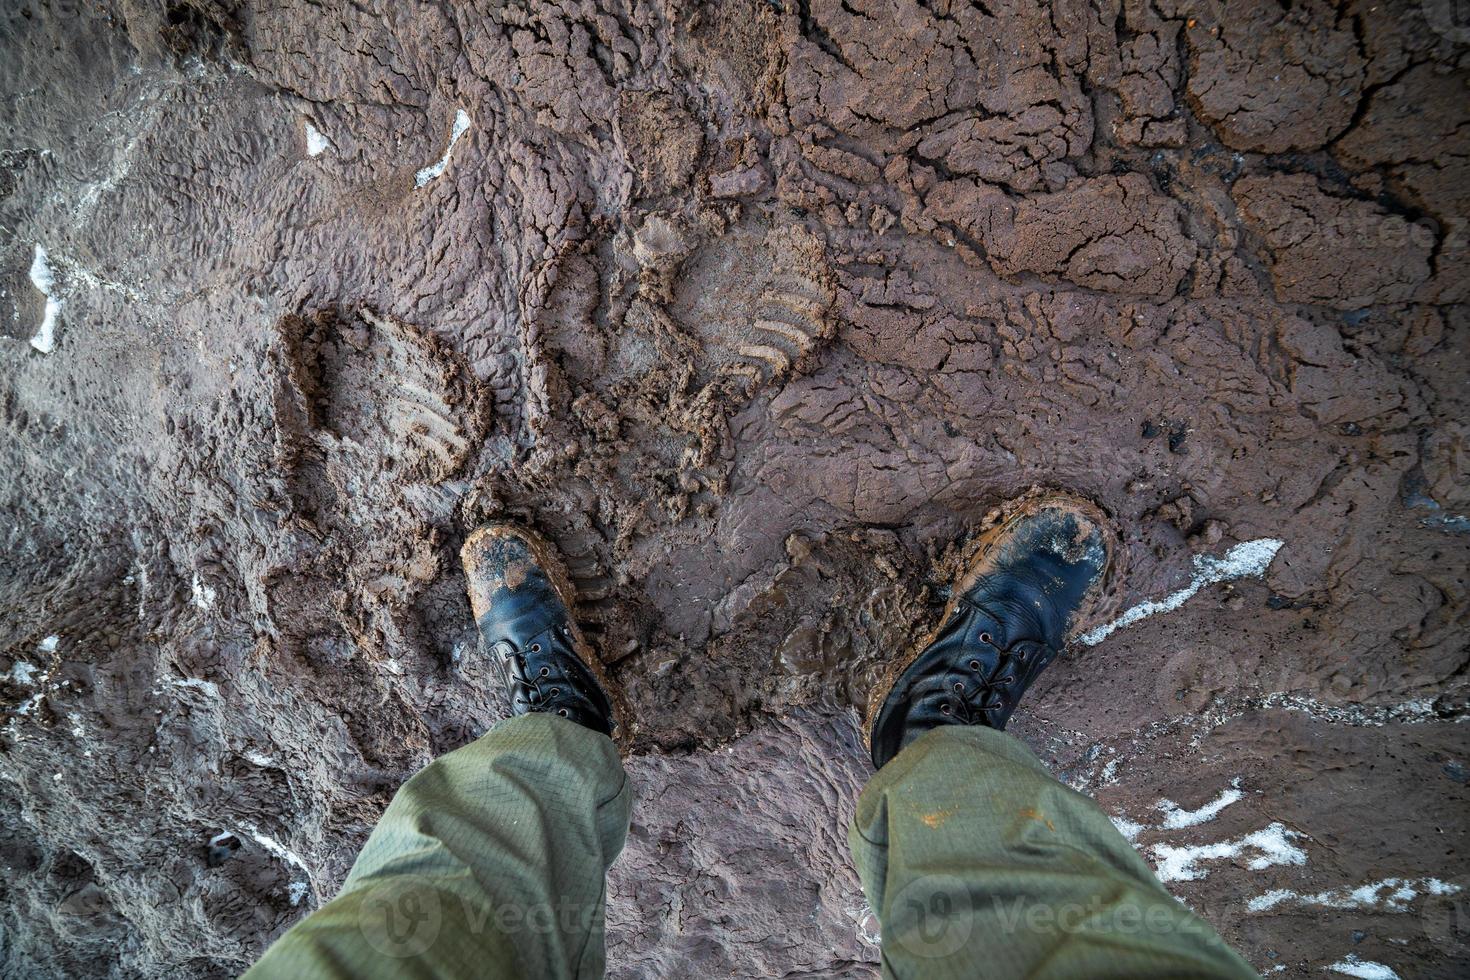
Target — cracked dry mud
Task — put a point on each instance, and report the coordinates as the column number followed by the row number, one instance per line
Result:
column 757, row 309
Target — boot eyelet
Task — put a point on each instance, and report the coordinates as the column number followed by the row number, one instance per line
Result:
column 975, row 665
column 535, row 648
column 1008, row 680
column 959, row 688
column 984, row 638
column 545, row 671
column 555, row 691
column 563, row 712
column 944, row 707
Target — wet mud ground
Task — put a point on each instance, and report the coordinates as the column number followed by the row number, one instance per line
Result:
column 757, row 309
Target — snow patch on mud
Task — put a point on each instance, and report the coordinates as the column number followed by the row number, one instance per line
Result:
column 316, row 142
column 202, row 593
column 1265, row 848
column 44, row 280
column 1353, row 966
column 1415, row 711
column 1388, row 895
column 869, row 931
column 1249, row 559
column 22, row 673
column 25, row 674
column 208, row 687
column 461, row 126
column 1177, row 819
column 300, row 888
column 1130, row 829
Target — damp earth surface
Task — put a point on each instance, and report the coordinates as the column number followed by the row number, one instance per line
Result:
column 758, row 310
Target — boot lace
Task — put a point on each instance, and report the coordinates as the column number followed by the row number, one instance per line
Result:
column 992, row 696
column 531, row 691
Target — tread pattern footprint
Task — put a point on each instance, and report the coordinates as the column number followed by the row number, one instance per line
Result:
column 391, row 391
column 759, row 303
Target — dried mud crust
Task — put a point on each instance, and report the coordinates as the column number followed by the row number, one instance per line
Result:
column 754, row 310
column 967, row 564
column 1273, row 79
column 550, row 562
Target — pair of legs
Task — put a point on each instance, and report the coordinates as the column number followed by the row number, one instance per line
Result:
column 492, row 861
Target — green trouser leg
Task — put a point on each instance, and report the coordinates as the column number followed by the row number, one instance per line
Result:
column 491, row 862
column 979, row 863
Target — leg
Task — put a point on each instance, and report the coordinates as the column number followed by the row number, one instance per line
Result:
column 492, row 861
column 979, row 863
column 976, row 861
column 489, row 862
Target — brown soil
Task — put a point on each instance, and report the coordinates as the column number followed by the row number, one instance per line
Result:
column 756, row 309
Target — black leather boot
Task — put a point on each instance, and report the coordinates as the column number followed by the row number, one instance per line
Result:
column 1031, row 581
column 523, row 601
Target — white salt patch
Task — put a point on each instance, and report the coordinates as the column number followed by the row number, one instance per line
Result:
column 1177, row 819
column 208, row 687
column 315, row 141
column 45, row 338
column 49, row 644
column 1388, row 895
column 1248, row 559
column 23, row 673
column 461, row 125
column 1363, row 969
column 259, row 758
column 220, row 838
column 1268, row 847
